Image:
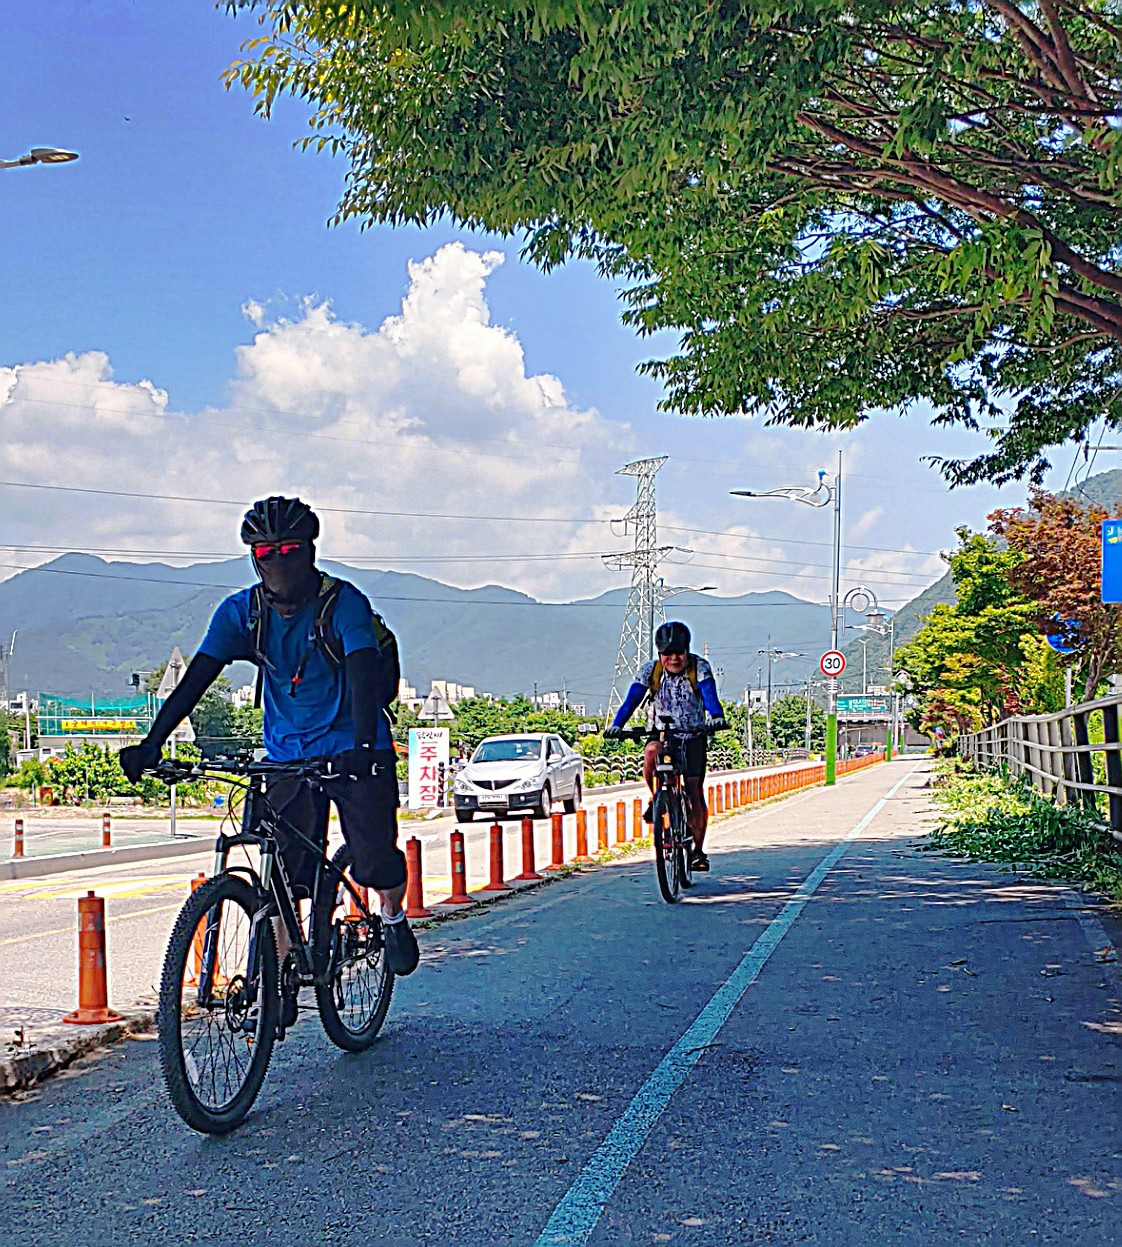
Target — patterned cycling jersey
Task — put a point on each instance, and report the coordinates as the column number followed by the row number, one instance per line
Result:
column 675, row 696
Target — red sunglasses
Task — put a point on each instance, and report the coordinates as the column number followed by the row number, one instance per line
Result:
column 266, row 549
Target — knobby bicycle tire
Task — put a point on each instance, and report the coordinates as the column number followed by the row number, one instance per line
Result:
column 665, row 846
column 353, row 982
column 215, row 1054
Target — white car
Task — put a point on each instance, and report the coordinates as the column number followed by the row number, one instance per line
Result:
column 526, row 771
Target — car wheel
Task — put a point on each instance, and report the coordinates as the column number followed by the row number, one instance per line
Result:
column 542, row 810
column 464, row 816
column 573, row 803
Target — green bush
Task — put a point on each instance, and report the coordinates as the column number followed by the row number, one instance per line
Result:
column 987, row 816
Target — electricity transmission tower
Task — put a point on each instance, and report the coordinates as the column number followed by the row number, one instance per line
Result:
column 644, row 602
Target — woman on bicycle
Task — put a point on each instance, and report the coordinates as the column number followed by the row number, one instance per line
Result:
column 680, row 685
column 314, row 707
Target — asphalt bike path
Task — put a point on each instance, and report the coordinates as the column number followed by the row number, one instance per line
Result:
column 829, row 1041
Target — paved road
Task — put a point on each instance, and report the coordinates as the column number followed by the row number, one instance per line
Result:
column 928, row 1053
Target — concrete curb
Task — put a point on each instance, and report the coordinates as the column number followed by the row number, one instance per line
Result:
column 31, row 867
column 55, row 1047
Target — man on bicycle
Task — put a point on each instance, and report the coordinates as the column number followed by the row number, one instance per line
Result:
column 313, row 707
column 680, row 685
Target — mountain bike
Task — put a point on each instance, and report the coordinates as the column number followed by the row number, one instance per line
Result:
column 673, row 840
column 224, row 997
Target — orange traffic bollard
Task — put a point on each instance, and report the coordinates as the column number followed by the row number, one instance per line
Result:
column 495, row 881
column 414, row 881
column 93, row 992
column 602, row 828
column 636, row 819
column 17, row 850
column 105, row 833
column 621, row 822
column 529, row 874
column 582, row 838
column 556, row 842
column 459, row 894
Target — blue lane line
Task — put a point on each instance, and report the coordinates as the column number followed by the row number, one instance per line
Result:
column 575, row 1217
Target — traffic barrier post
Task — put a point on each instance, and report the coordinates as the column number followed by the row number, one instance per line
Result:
column 495, row 880
column 106, row 840
column 637, row 819
column 17, row 849
column 621, row 822
column 529, row 874
column 556, row 842
column 414, row 881
column 459, row 894
column 582, row 838
column 93, row 988
column 602, row 828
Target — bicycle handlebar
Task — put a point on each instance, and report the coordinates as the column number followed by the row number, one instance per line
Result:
column 172, row 771
column 683, row 733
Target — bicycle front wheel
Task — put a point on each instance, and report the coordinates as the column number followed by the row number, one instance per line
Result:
column 353, row 982
column 218, row 1012
column 666, row 817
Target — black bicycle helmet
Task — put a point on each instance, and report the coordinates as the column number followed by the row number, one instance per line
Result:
column 673, row 638
column 279, row 519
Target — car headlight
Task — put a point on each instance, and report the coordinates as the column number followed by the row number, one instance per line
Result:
column 532, row 781
column 460, row 784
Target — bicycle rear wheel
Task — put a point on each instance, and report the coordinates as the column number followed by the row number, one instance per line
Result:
column 353, row 982
column 218, row 1013
column 666, row 816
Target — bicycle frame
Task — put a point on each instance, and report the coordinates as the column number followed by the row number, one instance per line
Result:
column 271, row 878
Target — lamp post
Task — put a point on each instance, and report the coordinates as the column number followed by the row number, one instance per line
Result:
column 40, row 156
column 822, row 495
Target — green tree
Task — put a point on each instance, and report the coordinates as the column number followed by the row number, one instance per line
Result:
column 788, row 723
column 8, row 724
column 1057, row 546
column 838, row 207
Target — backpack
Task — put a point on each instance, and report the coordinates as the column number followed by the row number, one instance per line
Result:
column 657, row 673
column 325, row 639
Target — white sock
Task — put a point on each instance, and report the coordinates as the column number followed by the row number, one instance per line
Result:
column 393, row 918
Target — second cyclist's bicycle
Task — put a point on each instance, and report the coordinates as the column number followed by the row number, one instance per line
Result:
column 224, row 997
column 673, row 840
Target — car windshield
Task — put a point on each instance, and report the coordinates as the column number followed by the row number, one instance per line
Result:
column 508, row 751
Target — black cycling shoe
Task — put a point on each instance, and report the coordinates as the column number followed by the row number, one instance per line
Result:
column 402, row 953
column 699, row 863
column 648, row 813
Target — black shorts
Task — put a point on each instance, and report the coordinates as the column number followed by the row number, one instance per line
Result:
column 368, row 817
column 696, row 755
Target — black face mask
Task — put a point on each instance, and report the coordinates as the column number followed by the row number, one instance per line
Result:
column 288, row 579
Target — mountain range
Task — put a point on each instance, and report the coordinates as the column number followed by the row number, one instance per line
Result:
column 83, row 624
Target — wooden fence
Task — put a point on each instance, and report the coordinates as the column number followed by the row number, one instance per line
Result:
column 1073, row 755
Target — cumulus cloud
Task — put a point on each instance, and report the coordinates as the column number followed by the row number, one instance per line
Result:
column 434, row 411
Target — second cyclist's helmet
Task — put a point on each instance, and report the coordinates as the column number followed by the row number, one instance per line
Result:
column 279, row 519
column 673, row 638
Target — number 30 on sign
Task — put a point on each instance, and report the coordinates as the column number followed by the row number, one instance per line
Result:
column 832, row 663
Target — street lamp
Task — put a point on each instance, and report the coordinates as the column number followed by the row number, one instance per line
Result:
column 884, row 625
column 821, row 495
column 40, row 156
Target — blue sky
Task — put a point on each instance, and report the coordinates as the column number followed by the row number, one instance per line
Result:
column 178, row 319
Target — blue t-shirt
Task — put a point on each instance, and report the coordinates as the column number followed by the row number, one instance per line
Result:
column 315, row 721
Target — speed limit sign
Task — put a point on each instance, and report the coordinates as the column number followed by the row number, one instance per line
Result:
column 832, row 663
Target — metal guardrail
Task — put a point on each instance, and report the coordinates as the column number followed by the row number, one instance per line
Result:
column 622, row 767
column 1057, row 752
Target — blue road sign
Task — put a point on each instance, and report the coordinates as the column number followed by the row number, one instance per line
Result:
column 1065, row 640
column 1112, row 560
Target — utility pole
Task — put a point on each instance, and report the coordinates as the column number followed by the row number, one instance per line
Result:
column 636, row 641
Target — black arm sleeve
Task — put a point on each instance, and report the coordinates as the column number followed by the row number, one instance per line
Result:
column 364, row 673
column 201, row 673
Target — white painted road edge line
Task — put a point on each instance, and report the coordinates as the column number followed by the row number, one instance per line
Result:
column 575, row 1217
